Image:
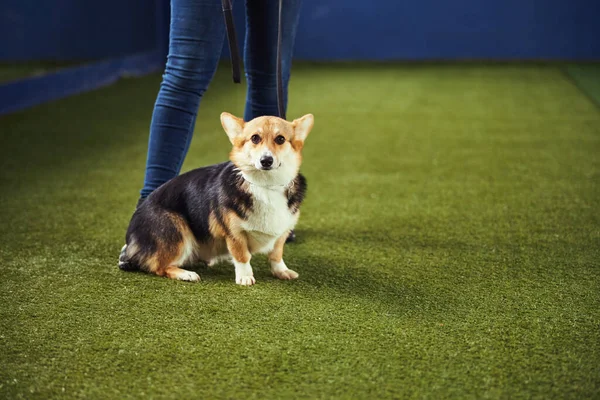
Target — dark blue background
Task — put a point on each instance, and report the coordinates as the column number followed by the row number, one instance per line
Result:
column 329, row 29
column 455, row 29
column 76, row 29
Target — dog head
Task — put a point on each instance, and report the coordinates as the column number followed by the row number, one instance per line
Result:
column 267, row 150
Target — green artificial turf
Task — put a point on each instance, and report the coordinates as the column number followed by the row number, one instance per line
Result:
column 449, row 246
column 587, row 77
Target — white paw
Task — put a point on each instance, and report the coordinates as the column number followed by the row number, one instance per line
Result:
column 188, row 276
column 245, row 280
column 286, row 274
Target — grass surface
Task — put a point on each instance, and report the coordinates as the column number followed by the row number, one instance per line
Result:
column 449, row 246
column 587, row 77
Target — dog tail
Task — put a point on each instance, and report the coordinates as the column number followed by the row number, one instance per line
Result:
column 126, row 263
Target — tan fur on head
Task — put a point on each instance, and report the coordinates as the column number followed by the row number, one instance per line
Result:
column 239, row 131
column 267, row 137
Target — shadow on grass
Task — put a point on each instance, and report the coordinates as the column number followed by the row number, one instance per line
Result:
column 324, row 278
column 376, row 273
column 343, row 278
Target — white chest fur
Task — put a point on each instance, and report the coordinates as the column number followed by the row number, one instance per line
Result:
column 270, row 217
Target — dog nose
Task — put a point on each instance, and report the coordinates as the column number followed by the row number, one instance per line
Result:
column 266, row 161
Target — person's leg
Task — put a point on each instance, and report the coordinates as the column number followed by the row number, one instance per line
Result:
column 260, row 56
column 260, row 53
column 196, row 39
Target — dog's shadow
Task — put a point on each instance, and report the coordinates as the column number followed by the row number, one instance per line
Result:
column 320, row 275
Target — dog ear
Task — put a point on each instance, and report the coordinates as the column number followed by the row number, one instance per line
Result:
column 233, row 125
column 302, row 127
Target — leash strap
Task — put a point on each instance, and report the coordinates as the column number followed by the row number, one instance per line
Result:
column 235, row 55
column 232, row 40
column 280, row 105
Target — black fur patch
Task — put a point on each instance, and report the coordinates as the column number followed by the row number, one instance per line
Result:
column 296, row 193
column 193, row 196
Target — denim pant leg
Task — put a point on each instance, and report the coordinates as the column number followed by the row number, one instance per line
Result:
column 260, row 53
column 197, row 33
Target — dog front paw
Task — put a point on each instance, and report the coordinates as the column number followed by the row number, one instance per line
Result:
column 181, row 274
column 285, row 274
column 188, row 276
column 245, row 280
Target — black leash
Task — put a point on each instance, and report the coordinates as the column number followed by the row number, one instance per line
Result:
column 232, row 40
column 278, row 71
column 235, row 55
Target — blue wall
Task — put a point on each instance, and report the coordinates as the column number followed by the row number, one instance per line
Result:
column 457, row 29
column 129, row 37
column 439, row 29
column 329, row 29
column 75, row 29
column 123, row 37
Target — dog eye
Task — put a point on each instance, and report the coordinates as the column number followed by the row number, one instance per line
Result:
column 280, row 139
column 255, row 139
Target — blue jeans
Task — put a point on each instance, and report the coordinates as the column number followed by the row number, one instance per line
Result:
column 196, row 38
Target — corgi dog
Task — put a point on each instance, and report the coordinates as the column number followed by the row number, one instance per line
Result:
column 232, row 210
